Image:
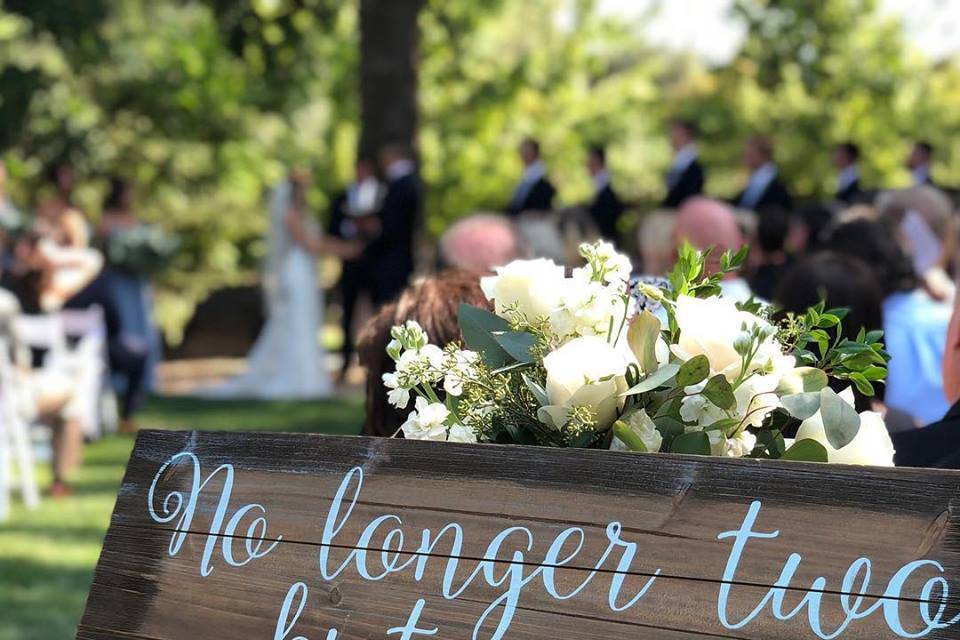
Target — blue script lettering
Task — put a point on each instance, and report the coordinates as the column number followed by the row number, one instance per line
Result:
column 856, row 582
column 175, row 504
column 513, row 575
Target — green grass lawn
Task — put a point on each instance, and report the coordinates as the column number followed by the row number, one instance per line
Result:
column 47, row 556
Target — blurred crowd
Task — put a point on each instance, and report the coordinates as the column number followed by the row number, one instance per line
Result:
column 77, row 335
column 77, row 340
column 886, row 254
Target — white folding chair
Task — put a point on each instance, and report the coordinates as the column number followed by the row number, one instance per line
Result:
column 89, row 358
column 15, row 448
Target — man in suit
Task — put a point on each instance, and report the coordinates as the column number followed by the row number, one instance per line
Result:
column 389, row 255
column 535, row 191
column 606, row 206
column 919, row 161
column 685, row 178
column 353, row 217
column 845, row 160
column 764, row 190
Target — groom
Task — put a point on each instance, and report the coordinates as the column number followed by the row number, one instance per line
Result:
column 390, row 254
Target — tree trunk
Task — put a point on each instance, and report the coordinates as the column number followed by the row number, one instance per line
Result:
column 389, row 34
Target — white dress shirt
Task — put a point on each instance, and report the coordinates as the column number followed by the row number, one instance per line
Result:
column 683, row 159
column 921, row 175
column 849, row 175
column 759, row 182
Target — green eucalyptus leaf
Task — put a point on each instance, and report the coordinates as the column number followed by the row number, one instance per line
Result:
column 719, row 392
column 693, row 371
column 517, row 343
column 806, row 450
column 840, row 420
column 801, row 405
column 802, row 379
column 654, row 380
column 538, row 392
column 478, row 326
column 696, row 443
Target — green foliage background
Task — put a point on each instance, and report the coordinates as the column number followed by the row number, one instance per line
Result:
column 205, row 102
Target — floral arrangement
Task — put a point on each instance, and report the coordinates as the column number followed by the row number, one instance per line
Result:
column 591, row 360
column 143, row 250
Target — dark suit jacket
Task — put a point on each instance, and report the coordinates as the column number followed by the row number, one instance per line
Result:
column 774, row 196
column 538, row 198
column 390, row 255
column 605, row 211
column 850, row 194
column 689, row 184
column 935, row 446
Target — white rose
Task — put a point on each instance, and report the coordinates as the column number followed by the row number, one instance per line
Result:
column 710, row 327
column 426, row 421
column 871, row 446
column 587, row 372
column 461, row 433
column 532, row 286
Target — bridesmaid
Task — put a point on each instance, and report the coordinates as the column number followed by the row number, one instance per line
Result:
column 131, row 291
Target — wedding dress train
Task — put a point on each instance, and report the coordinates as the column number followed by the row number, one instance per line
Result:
column 287, row 360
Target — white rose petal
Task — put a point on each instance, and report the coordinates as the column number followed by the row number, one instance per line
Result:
column 533, row 287
column 586, row 371
column 871, row 446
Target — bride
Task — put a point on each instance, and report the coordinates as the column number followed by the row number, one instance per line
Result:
column 287, row 360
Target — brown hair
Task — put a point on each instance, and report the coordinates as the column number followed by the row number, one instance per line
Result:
column 433, row 302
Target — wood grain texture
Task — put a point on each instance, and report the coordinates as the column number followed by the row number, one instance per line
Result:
column 672, row 507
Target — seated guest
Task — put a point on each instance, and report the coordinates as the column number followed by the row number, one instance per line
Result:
column 535, row 192
column 808, row 228
column 769, row 257
column 45, row 394
column 655, row 239
column 764, row 188
column 919, row 162
column 434, row 303
column 922, row 220
column 706, row 223
column 845, row 160
column 58, row 218
column 937, row 445
column 479, row 243
column 843, row 282
column 685, row 178
column 951, row 357
column 606, row 207
column 914, row 323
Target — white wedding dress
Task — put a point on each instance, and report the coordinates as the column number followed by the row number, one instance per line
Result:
column 287, row 361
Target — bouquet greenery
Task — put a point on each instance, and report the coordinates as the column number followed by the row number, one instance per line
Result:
column 574, row 362
column 144, row 250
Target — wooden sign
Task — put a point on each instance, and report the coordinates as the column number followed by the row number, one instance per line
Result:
column 300, row 537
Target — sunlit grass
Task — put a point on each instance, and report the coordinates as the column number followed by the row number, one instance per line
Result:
column 47, row 556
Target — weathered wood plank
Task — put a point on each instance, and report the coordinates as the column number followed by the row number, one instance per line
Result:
column 672, row 507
